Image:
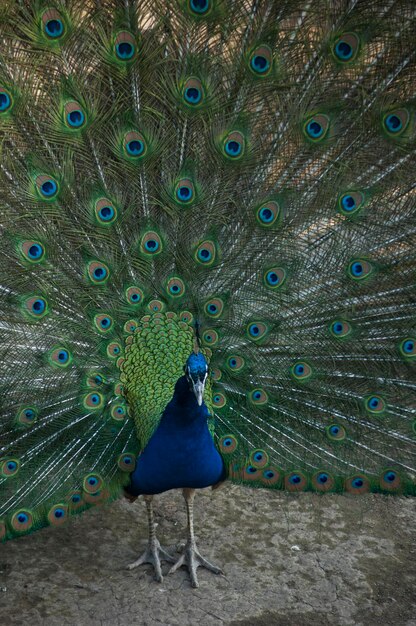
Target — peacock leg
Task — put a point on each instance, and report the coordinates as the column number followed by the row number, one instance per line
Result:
column 191, row 558
column 154, row 552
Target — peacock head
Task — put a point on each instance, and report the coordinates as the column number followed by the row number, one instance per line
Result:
column 196, row 372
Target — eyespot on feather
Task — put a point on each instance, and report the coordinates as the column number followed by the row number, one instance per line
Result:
column 259, row 458
column 175, row 287
column 301, row 370
column 27, row 416
column 210, row 337
column 134, row 295
column 218, row 400
column 340, row 328
column 268, row 213
column 151, row 243
column 156, row 306
column 118, row 412
column 407, row 348
column 235, row 363
column 316, row 127
column 134, row 146
column 350, row 203
column 295, row 481
column 274, row 277
column 205, row 253
column 396, row 122
column 47, row 187
column 74, row 115
column 261, row 61
column 216, row 374
column 357, row 484
column 227, row 444
column 200, row 8
column 130, row 326
column 185, row 191
column 6, row 101
column 58, row 514
column 271, row 476
column 125, row 46
column 322, row 481
column 346, row 47
column 36, row 307
column 94, row 401
column 234, row 145
column 335, row 432
column 258, row 396
column 53, row 25
column 114, row 350
column 95, row 380
column 75, row 500
column 105, row 212
column 92, row 483
column 9, row 467
column 257, row 330
column 98, row 497
column 193, row 92
column 60, row 357
column 359, row 269
column 98, row 272
column 390, row 480
column 22, row 520
column 118, row 389
column 126, row 462
column 214, row 307
column 103, row 322
column 33, row 251
column 251, row 473
column 186, row 316
column 375, row 404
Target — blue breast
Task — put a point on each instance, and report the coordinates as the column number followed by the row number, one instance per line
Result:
column 181, row 453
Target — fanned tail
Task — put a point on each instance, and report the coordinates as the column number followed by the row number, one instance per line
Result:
column 246, row 166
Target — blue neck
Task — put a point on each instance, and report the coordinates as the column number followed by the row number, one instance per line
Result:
column 181, row 453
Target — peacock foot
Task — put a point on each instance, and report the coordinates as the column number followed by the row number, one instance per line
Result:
column 192, row 559
column 153, row 554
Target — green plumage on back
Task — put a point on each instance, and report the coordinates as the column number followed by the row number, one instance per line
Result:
column 241, row 172
column 154, row 358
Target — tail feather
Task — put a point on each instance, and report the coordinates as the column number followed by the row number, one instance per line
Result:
column 246, row 165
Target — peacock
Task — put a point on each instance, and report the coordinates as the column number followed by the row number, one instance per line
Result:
column 208, row 261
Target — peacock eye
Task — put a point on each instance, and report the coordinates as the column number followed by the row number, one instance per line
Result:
column 350, row 203
column 315, row 130
column 125, row 46
column 193, row 95
column 199, row 7
column 35, row 251
column 5, row 100
column 234, row 145
column 135, row 147
column 317, row 127
column 343, row 50
column 261, row 61
column 393, row 123
column 396, row 122
column 74, row 115
column 233, row 148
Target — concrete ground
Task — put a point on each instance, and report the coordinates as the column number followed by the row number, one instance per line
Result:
column 290, row 560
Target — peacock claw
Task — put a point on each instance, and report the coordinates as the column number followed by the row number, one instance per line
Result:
column 192, row 559
column 153, row 554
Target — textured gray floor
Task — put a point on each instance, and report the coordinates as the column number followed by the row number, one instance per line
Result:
column 289, row 560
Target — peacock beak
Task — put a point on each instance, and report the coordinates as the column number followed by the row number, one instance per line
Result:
column 199, row 388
